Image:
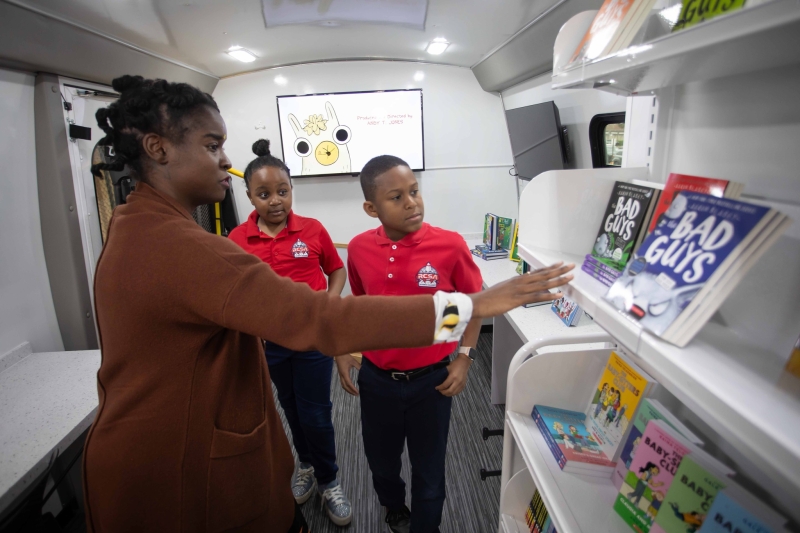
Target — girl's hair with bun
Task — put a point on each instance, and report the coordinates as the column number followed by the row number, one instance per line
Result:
column 264, row 159
column 146, row 106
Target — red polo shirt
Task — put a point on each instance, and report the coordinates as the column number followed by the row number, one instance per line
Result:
column 429, row 260
column 302, row 251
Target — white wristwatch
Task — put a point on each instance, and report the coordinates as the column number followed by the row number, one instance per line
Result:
column 465, row 350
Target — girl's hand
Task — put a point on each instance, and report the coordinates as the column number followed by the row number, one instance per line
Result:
column 343, row 364
column 527, row 288
column 457, row 378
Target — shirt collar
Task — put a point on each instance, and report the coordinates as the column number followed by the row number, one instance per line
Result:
column 293, row 224
column 412, row 239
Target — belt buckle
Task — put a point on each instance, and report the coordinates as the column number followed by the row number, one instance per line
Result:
column 401, row 374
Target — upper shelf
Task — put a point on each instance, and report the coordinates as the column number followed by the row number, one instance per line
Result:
column 751, row 39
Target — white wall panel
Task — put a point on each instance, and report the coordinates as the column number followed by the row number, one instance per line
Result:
column 26, row 306
column 464, row 128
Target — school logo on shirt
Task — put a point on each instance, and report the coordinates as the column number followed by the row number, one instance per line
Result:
column 428, row 277
column 300, row 249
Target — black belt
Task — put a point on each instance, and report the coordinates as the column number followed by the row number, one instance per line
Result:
column 410, row 375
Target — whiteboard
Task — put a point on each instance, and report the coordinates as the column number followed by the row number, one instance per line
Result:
column 337, row 133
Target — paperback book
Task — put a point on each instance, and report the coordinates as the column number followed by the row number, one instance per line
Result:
column 617, row 396
column 683, row 182
column 689, row 498
column 567, row 311
column 651, row 474
column 621, row 224
column 736, row 511
column 614, row 20
column 696, row 256
column 602, row 267
column 572, row 446
column 537, row 516
column 650, row 409
column 490, row 231
column 514, row 256
column 505, row 233
column 485, row 253
column 693, row 12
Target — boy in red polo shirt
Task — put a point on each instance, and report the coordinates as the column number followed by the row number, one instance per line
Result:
column 406, row 394
column 298, row 248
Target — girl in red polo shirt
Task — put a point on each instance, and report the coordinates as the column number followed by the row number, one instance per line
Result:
column 298, row 248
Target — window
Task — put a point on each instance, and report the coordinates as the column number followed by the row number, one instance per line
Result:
column 607, row 139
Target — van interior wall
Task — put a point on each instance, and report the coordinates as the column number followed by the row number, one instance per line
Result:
column 464, row 127
column 576, row 107
column 27, row 313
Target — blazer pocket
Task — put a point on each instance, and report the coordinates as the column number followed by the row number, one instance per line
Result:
column 238, row 478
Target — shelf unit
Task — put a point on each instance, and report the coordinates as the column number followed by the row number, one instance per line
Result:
column 727, row 45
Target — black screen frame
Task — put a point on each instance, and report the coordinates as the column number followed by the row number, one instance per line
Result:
column 351, row 173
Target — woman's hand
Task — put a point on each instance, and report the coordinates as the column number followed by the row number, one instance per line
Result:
column 343, row 364
column 527, row 288
column 458, row 371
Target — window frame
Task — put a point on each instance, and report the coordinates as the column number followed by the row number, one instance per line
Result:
column 597, row 142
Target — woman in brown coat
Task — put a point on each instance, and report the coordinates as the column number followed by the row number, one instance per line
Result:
column 186, row 437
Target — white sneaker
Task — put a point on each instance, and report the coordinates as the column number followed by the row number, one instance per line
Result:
column 336, row 504
column 303, row 483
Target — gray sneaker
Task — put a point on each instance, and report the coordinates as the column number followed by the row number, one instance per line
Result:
column 399, row 521
column 336, row 504
column 303, row 483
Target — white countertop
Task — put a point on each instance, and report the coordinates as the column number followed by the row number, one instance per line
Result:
column 47, row 400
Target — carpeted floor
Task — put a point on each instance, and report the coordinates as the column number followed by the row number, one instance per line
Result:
column 471, row 504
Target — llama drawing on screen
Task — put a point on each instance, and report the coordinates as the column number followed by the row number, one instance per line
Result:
column 322, row 143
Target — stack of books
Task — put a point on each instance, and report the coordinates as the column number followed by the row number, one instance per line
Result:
column 498, row 238
column 567, row 311
column 537, row 517
column 485, row 253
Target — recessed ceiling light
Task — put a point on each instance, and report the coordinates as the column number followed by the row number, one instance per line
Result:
column 280, row 80
column 419, row 75
column 437, row 46
column 245, row 56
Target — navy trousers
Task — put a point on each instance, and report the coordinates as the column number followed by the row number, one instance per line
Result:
column 393, row 412
column 303, row 381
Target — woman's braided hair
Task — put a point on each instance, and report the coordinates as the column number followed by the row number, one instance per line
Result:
column 145, row 106
column 264, row 159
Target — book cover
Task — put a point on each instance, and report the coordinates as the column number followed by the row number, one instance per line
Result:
column 688, row 500
column 505, row 232
column 515, row 244
column 566, row 430
column 648, row 410
column 651, row 474
column 698, row 236
column 733, row 513
column 566, row 310
column 490, row 231
column 617, row 395
column 621, row 224
column 683, row 182
column 606, row 27
column 694, row 11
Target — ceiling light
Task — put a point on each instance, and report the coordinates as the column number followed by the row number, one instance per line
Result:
column 437, row 46
column 245, row 56
column 419, row 75
column 280, row 80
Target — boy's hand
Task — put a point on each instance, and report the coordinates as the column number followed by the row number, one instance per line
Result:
column 343, row 364
column 457, row 378
column 527, row 288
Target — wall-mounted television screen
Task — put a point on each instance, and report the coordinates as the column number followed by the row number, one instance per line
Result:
column 537, row 141
column 337, row 133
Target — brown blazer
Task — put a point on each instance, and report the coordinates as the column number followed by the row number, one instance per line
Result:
column 186, row 437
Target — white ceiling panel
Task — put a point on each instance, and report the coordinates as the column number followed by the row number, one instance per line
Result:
column 198, row 32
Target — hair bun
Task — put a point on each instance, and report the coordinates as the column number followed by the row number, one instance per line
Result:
column 261, row 147
column 126, row 83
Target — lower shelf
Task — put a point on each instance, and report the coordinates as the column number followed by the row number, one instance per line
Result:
column 577, row 504
column 512, row 525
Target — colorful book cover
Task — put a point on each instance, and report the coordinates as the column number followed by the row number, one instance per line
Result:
column 515, row 244
column 567, row 437
column 683, row 182
column 693, row 12
column 648, row 410
column 728, row 515
column 688, row 500
column 621, row 224
column 651, row 474
column 566, row 310
column 693, row 238
column 606, row 26
column 490, row 231
column 505, row 232
column 616, row 398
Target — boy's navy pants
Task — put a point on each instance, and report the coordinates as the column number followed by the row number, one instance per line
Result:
column 303, row 381
column 393, row 412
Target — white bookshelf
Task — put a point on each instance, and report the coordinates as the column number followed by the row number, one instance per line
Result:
column 728, row 375
column 748, row 40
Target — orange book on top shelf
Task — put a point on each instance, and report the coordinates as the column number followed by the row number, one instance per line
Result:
column 606, row 27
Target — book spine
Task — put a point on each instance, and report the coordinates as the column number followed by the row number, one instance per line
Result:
column 558, row 455
column 596, row 275
column 592, row 262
